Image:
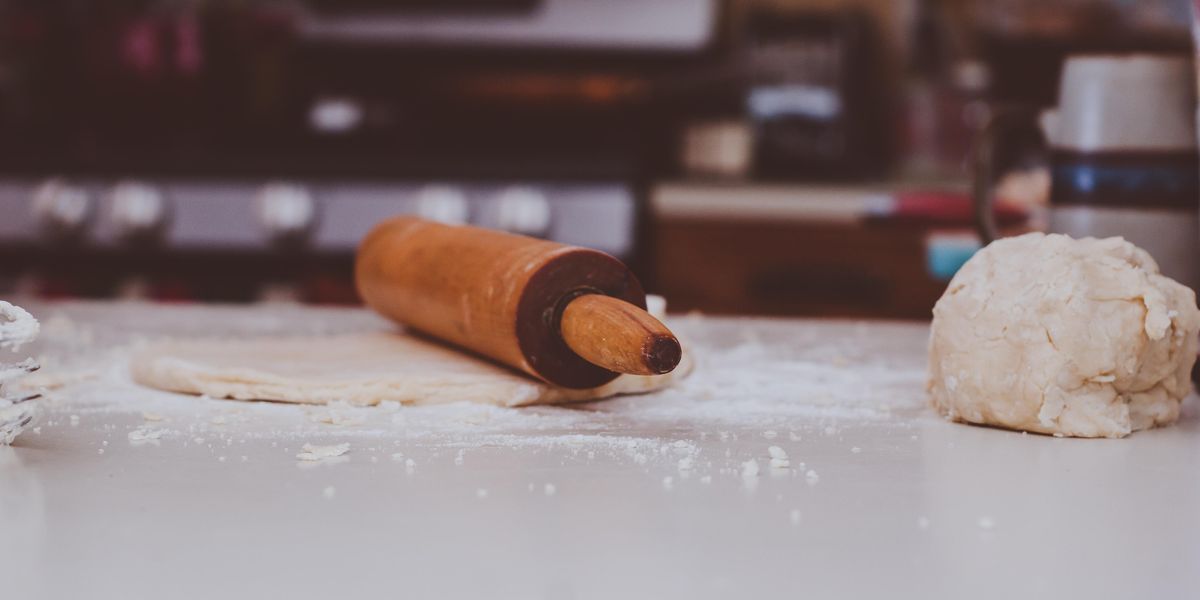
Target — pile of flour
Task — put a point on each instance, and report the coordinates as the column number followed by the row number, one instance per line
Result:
column 17, row 409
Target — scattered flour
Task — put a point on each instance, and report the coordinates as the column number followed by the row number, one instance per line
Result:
column 743, row 389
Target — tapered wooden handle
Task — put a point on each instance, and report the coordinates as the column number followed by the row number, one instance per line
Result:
column 618, row 336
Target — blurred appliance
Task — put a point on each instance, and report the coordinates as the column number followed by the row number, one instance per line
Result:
column 1122, row 153
column 216, row 150
column 1024, row 43
column 668, row 25
column 817, row 97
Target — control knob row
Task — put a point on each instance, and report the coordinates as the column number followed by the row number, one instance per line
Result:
column 137, row 210
column 519, row 209
column 288, row 212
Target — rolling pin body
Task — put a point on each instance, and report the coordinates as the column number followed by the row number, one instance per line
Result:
column 504, row 296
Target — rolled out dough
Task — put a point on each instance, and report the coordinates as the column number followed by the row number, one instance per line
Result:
column 357, row 368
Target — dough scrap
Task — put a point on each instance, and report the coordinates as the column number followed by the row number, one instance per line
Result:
column 1049, row 334
column 358, row 369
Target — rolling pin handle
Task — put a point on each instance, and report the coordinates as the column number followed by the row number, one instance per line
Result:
column 618, row 336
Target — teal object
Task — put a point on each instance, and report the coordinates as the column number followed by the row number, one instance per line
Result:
column 943, row 258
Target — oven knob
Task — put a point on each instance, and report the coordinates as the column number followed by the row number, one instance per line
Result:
column 523, row 210
column 287, row 211
column 444, row 204
column 335, row 115
column 61, row 209
column 138, row 210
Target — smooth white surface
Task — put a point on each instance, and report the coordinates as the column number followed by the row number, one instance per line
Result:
column 902, row 505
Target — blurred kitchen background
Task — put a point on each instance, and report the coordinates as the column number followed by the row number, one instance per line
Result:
column 801, row 157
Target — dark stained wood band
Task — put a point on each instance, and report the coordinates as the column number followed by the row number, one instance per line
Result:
column 561, row 278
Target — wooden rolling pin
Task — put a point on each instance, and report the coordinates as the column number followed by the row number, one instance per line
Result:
column 571, row 316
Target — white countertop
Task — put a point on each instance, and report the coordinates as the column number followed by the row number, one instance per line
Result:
column 594, row 501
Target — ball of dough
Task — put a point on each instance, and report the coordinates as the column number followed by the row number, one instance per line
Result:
column 1074, row 337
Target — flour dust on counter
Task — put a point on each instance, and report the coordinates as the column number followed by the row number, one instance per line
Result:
column 681, row 491
column 753, row 392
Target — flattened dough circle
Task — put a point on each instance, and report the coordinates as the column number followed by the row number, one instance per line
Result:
column 357, row 368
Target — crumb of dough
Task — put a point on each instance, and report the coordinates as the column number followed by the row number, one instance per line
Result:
column 779, row 458
column 143, row 434
column 750, row 468
column 313, row 452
